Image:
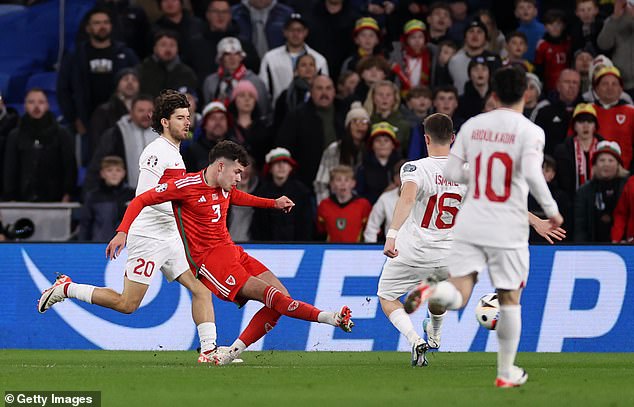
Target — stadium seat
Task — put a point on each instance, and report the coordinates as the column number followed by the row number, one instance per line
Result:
column 4, row 84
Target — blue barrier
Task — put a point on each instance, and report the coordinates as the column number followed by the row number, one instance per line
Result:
column 578, row 299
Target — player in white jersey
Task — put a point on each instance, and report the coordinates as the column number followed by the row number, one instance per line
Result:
column 503, row 153
column 419, row 238
column 154, row 242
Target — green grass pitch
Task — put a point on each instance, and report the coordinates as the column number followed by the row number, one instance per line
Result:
column 322, row 378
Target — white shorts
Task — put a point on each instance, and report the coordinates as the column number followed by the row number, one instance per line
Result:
column 146, row 255
column 508, row 268
column 399, row 278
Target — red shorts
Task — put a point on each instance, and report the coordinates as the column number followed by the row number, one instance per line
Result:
column 226, row 269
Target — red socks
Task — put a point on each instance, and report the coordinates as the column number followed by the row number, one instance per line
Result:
column 262, row 322
column 285, row 305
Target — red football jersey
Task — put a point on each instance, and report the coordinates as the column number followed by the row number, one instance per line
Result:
column 617, row 124
column 200, row 212
column 553, row 58
column 343, row 223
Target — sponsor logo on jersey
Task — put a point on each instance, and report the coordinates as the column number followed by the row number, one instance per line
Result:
column 161, row 188
column 214, row 197
column 293, row 306
column 620, row 118
column 202, row 199
column 341, row 223
column 230, row 280
column 409, row 168
column 151, row 161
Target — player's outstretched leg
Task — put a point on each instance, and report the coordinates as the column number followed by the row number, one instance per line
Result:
column 432, row 325
column 509, row 329
column 393, row 309
column 56, row 293
column 417, row 296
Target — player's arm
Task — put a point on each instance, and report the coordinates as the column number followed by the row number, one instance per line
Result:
column 149, row 179
column 240, row 198
column 162, row 193
column 402, row 210
column 543, row 228
column 456, row 170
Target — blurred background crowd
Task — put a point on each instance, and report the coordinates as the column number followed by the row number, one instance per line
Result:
column 327, row 96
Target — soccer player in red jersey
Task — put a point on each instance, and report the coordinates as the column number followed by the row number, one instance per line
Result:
column 200, row 202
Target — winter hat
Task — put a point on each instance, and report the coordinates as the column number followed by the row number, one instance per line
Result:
column 356, row 112
column 244, row 86
column 412, row 26
column 366, row 23
column 125, row 71
column 229, row 45
column 597, row 63
column 275, row 155
column 609, row 147
column 386, row 129
column 534, row 79
column 476, row 23
column 214, row 106
column 605, row 71
column 585, row 109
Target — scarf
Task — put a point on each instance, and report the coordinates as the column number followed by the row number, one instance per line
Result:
column 410, row 59
column 227, row 81
column 582, row 173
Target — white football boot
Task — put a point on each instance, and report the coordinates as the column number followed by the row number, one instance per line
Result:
column 54, row 294
column 517, row 377
column 433, row 338
column 419, row 351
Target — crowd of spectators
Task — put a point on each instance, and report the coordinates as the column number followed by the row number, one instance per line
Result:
column 328, row 97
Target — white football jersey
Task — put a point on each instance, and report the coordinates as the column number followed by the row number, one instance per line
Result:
column 159, row 162
column 426, row 235
column 494, row 145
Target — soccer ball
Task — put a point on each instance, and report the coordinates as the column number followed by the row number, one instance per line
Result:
column 488, row 311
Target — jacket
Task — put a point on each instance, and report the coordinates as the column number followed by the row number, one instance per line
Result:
column 274, row 225
column 103, row 210
column 302, row 134
column 39, row 166
column 73, row 93
column 155, row 75
column 616, row 35
column 273, row 28
column 585, row 212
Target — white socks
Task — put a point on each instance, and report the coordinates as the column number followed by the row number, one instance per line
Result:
column 509, row 328
column 325, row 317
column 238, row 347
column 401, row 321
column 447, row 295
column 82, row 292
column 207, row 335
column 436, row 321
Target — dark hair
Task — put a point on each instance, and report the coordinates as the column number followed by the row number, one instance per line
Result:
column 509, row 84
column 549, row 162
column 439, row 4
column 448, row 43
column 112, row 161
column 417, row 92
column 306, row 55
column 164, row 33
column 445, row 89
column 349, row 152
column 373, row 61
column 229, row 150
column 439, row 127
column 143, row 97
column 553, row 15
column 517, row 34
column 93, row 11
column 35, row 90
column 160, row 2
column 164, row 105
